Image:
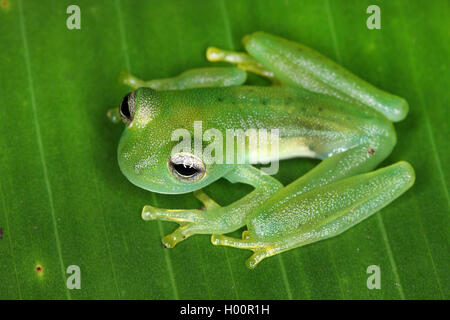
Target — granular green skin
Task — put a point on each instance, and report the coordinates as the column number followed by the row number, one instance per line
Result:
column 321, row 110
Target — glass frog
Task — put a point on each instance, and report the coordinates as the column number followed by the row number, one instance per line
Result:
column 320, row 110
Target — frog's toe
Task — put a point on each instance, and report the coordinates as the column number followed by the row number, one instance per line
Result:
column 256, row 258
column 169, row 241
column 180, row 234
column 128, row 79
column 245, row 243
column 174, row 215
column 149, row 213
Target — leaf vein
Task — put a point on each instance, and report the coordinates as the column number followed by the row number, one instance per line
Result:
column 39, row 142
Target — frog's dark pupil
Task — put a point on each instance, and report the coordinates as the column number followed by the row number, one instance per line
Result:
column 124, row 109
column 185, row 171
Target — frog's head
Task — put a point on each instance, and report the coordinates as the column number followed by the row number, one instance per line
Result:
column 146, row 150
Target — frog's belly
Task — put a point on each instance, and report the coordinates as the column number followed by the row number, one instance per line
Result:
column 283, row 148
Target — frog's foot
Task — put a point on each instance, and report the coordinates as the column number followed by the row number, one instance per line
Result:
column 183, row 232
column 191, row 221
column 260, row 249
column 128, row 79
column 241, row 59
column 113, row 115
column 215, row 219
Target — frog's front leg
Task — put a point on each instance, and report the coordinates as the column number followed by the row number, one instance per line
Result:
column 190, row 221
column 194, row 78
column 286, row 222
column 241, row 59
column 215, row 218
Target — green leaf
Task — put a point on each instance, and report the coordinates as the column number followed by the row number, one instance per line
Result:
column 64, row 201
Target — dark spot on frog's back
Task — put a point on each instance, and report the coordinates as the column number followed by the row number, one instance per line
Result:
column 289, row 100
column 220, row 99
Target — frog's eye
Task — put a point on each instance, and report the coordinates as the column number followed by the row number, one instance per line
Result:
column 186, row 167
column 127, row 108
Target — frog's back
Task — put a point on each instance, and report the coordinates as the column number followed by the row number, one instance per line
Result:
column 307, row 122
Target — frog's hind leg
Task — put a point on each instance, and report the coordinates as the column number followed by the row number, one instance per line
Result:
column 245, row 243
column 321, row 213
column 297, row 65
column 260, row 249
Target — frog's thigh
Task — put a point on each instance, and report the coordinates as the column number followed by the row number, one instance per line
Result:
column 298, row 65
column 322, row 213
column 356, row 160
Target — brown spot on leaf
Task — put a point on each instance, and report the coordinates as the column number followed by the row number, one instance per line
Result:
column 371, row 151
column 39, row 269
column 5, row 4
column 1, row 233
